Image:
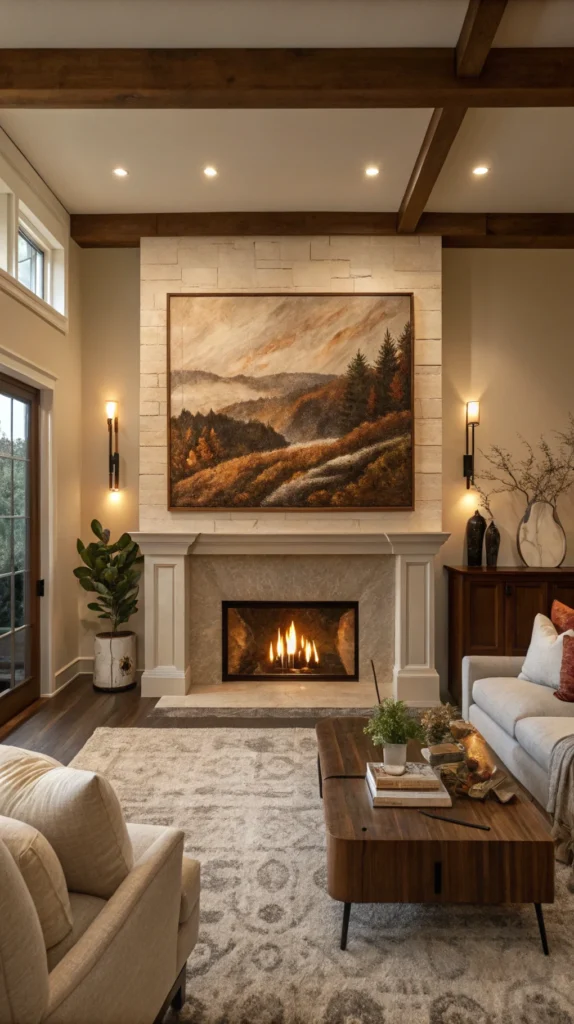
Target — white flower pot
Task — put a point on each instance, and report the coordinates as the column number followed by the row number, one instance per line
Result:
column 115, row 661
column 395, row 757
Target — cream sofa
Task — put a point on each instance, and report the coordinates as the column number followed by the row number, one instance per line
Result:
column 520, row 720
column 123, row 959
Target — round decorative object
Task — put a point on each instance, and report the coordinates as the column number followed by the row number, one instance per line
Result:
column 395, row 757
column 540, row 539
column 115, row 661
column 492, row 544
column 475, row 528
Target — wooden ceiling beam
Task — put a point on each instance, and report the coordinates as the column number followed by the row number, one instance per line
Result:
column 264, row 79
column 476, row 38
column 458, row 230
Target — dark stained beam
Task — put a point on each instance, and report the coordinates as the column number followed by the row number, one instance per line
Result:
column 458, row 230
column 440, row 135
column 320, row 78
column 477, row 36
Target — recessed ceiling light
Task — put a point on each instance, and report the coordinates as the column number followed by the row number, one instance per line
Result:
column 480, row 170
column 371, row 171
column 210, row 172
column 120, row 172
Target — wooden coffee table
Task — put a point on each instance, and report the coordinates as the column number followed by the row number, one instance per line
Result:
column 383, row 855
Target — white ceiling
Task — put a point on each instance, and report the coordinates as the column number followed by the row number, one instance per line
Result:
column 130, row 23
column 266, row 159
column 531, row 156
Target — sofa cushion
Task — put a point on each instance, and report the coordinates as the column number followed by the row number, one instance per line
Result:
column 538, row 736
column 85, row 909
column 562, row 616
column 78, row 813
column 43, row 875
column 507, row 700
column 566, row 689
column 544, row 655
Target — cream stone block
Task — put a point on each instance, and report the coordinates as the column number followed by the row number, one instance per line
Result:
column 295, row 249
column 158, row 250
column 427, row 352
column 428, row 458
column 147, row 295
column 428, row 486
column 153, row 488
column 229, row 256
column 148, row 380
column 267, row 250
column 358, row 271
column 273, row 278
column 153, row 358
column 149, row 408
column 428, row 298
column 153, row 318
column 429, row 432
column 411, row 255
column 236, row 277
column 153, row 438
column 376, row 285
column 199, row 256
column 428, row 408
column 152, row 394
column 320, row 248
column 342, row 284
column 195, row 276
column 427, row 382
column 162, row 378
column 153, row 460
column 414, row 282
column 340, row 268
column 165, row 288
column 152, row 336
column 312, row 274
column 428, row 324
column 160, row 271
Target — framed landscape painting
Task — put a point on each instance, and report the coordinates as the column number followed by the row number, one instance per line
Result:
column 290, row 401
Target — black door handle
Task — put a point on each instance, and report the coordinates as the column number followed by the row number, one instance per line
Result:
column 508, row 589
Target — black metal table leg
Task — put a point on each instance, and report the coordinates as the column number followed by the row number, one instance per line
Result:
column 542, row 927
column 345, row 928
column 320, row 777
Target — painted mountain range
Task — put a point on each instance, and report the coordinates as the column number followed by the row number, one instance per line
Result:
column 271, row 417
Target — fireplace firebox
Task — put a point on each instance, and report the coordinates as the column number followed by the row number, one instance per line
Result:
column 265, row 640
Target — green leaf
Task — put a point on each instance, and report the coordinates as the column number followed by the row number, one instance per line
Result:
column 124, row 540
column 94, row 607
column 87, row 584
column 87, row 558
column 79, row 546
column 81, row 571
column 97, row 528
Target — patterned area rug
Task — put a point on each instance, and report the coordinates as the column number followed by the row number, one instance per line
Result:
column 269, row 939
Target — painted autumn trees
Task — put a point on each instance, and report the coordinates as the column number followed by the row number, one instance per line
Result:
column 374, row 391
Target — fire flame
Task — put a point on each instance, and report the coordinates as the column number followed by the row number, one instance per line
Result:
column 290, row 646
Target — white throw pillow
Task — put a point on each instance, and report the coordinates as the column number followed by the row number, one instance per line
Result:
column 43, row 875
column 78, row 813
column 544, row 656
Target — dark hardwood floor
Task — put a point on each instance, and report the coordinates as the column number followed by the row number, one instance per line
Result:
column 59, row 726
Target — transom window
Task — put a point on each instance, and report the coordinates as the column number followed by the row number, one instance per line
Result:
column 30, row 264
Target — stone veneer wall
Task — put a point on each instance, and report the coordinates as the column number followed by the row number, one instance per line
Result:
column 291, row 264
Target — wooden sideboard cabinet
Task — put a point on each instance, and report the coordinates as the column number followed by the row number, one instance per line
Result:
column 491, row 611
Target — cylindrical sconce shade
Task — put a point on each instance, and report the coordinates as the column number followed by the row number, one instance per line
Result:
column 473, row 412
column 111, row 410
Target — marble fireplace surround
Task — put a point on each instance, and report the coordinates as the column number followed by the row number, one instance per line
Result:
column 184, row 587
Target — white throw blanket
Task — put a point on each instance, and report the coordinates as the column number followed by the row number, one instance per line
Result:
column 561, row 801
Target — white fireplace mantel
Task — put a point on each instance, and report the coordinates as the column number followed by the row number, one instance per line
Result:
column 168, row 558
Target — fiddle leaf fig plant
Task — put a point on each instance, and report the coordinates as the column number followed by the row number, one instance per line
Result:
column 110, row 571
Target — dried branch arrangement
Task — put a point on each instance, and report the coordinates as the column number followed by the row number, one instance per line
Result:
column 543, row 474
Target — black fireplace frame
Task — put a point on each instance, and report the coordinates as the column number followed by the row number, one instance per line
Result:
column 228, row 677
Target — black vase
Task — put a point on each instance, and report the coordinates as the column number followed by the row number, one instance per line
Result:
column 492, row 544
column 474, row 537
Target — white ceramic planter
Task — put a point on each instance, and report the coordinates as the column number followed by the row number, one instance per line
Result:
column 395, row 755
column 115, row 661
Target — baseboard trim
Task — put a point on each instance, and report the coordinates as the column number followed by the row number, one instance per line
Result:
column 77, row 667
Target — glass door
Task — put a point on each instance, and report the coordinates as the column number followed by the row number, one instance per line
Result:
column 19, row 547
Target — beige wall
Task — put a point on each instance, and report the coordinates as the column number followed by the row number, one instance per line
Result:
column 31, row 338
column 508, row 340
column 110, row 371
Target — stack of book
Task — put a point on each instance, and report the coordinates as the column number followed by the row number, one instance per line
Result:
column 419, row 786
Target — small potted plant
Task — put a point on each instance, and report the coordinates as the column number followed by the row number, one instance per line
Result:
column 391, row 727
column 110, row 571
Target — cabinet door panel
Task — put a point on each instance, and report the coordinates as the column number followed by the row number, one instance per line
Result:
column 523, row 602
column 484, row 614
column 561, row 592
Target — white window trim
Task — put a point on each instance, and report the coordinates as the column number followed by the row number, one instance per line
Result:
column 27, row 228
column 18, row 291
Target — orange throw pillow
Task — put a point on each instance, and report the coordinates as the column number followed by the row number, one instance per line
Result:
column 566, row 688
column 562, row 616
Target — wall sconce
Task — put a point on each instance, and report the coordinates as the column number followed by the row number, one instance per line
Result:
column 472, row 420
column 113, row 454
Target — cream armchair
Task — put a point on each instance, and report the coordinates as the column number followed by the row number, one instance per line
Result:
column 123, row 958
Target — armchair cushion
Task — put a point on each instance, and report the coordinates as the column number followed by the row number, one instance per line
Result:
column 142, row 837
column 43, row 875
column 24, row 986
column 78, row 813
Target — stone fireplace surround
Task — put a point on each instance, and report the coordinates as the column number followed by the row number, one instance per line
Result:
column 170, row 605
column 193, row 559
